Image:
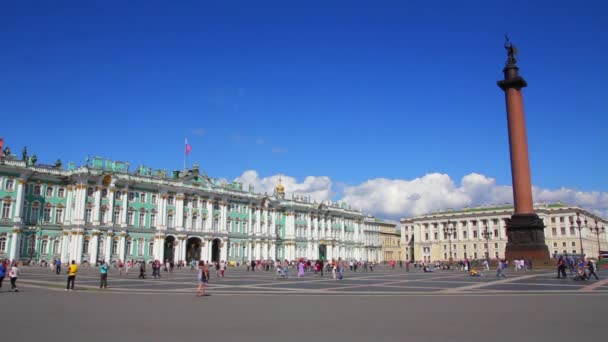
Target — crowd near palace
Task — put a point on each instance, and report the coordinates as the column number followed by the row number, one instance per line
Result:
column 102, row 211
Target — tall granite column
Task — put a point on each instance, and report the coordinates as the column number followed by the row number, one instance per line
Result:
column 525, row 230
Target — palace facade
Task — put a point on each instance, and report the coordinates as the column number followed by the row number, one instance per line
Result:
column 474, row 233
column 102, row 211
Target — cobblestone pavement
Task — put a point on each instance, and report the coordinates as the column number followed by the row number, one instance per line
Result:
column 384, row 305
column 382, row 281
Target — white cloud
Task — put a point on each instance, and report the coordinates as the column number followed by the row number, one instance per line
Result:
column 398, row 198
column 259, row 141
column 318, row 188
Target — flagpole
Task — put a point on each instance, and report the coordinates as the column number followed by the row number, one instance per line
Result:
column 185, row 152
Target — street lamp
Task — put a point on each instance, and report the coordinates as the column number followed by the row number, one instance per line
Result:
column 580, row 236
column 486, row 235
column 449, row 230
column 597, row 230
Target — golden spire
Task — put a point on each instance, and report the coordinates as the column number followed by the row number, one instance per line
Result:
column 280, row 188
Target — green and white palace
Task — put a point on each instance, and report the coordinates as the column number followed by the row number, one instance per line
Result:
column 102, row 211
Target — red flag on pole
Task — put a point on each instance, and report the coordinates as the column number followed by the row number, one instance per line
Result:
column 188, row 147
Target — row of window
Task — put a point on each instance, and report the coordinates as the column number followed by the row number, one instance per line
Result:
column 463, row 235
column 464, row 247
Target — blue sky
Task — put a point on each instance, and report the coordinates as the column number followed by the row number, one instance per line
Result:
column 350, row 90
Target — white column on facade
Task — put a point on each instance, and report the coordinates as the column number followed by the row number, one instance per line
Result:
column 69, row 212
column 273, row 224
column 93, row 250
column 75, row 199
column 256, row 213
column 162, row 210
column 108, row 248
column 249, row 220
column 64, row 246
column 15, row 243
column 110, row 212
column 159, row 247
column 19, row 203
column 80, row 203
column 208, row 245
column 183, row 247
column 125, row 208
column 224, row 250
column 224, row 217
column 121, row 246
column 97, row 206
column 179, row 212
column 76, row 216
column 209, row 220
column 78, row 241
column 249, row 251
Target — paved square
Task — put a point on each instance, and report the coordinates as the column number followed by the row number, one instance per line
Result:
column 385, row 305
column 382, row 281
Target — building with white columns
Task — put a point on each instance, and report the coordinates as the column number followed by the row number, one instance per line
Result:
column 102, row 211
column 474, row 233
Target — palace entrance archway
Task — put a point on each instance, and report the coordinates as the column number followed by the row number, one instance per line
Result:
column 169, row 252
column 322, row 252
column 215, row 250
column 193, row 249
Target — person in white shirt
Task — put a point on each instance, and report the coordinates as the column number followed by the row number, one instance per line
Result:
column 13, row 274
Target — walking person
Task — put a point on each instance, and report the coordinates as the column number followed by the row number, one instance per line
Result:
column 301, row 269
column 13, row 274
column 72, row 270
column 142, row 270
column 203, row 278
column 500, row 268
column 103, row 274
column 561, row 268
column 222, row 268
column 57, row 266
column 340, row 269
column 591, row 267
column 2, row 272
column 334, row 269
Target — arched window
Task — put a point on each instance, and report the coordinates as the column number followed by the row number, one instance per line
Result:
column 129, row 247
column 2, row 244
column 85, row 247
column 151, row 248
column 140, row 247
column 6, row 209
column 114, row 247
column 44, row 246
column 56, row 246
column 90, row 191
column 35, row 213
column 102, row 250
column 9, row 185
column 31, row 245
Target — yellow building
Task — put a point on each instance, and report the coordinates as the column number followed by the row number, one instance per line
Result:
column 477, row 233
column 391, row 242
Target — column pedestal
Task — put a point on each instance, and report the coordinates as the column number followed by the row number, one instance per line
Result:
column 526, row 239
